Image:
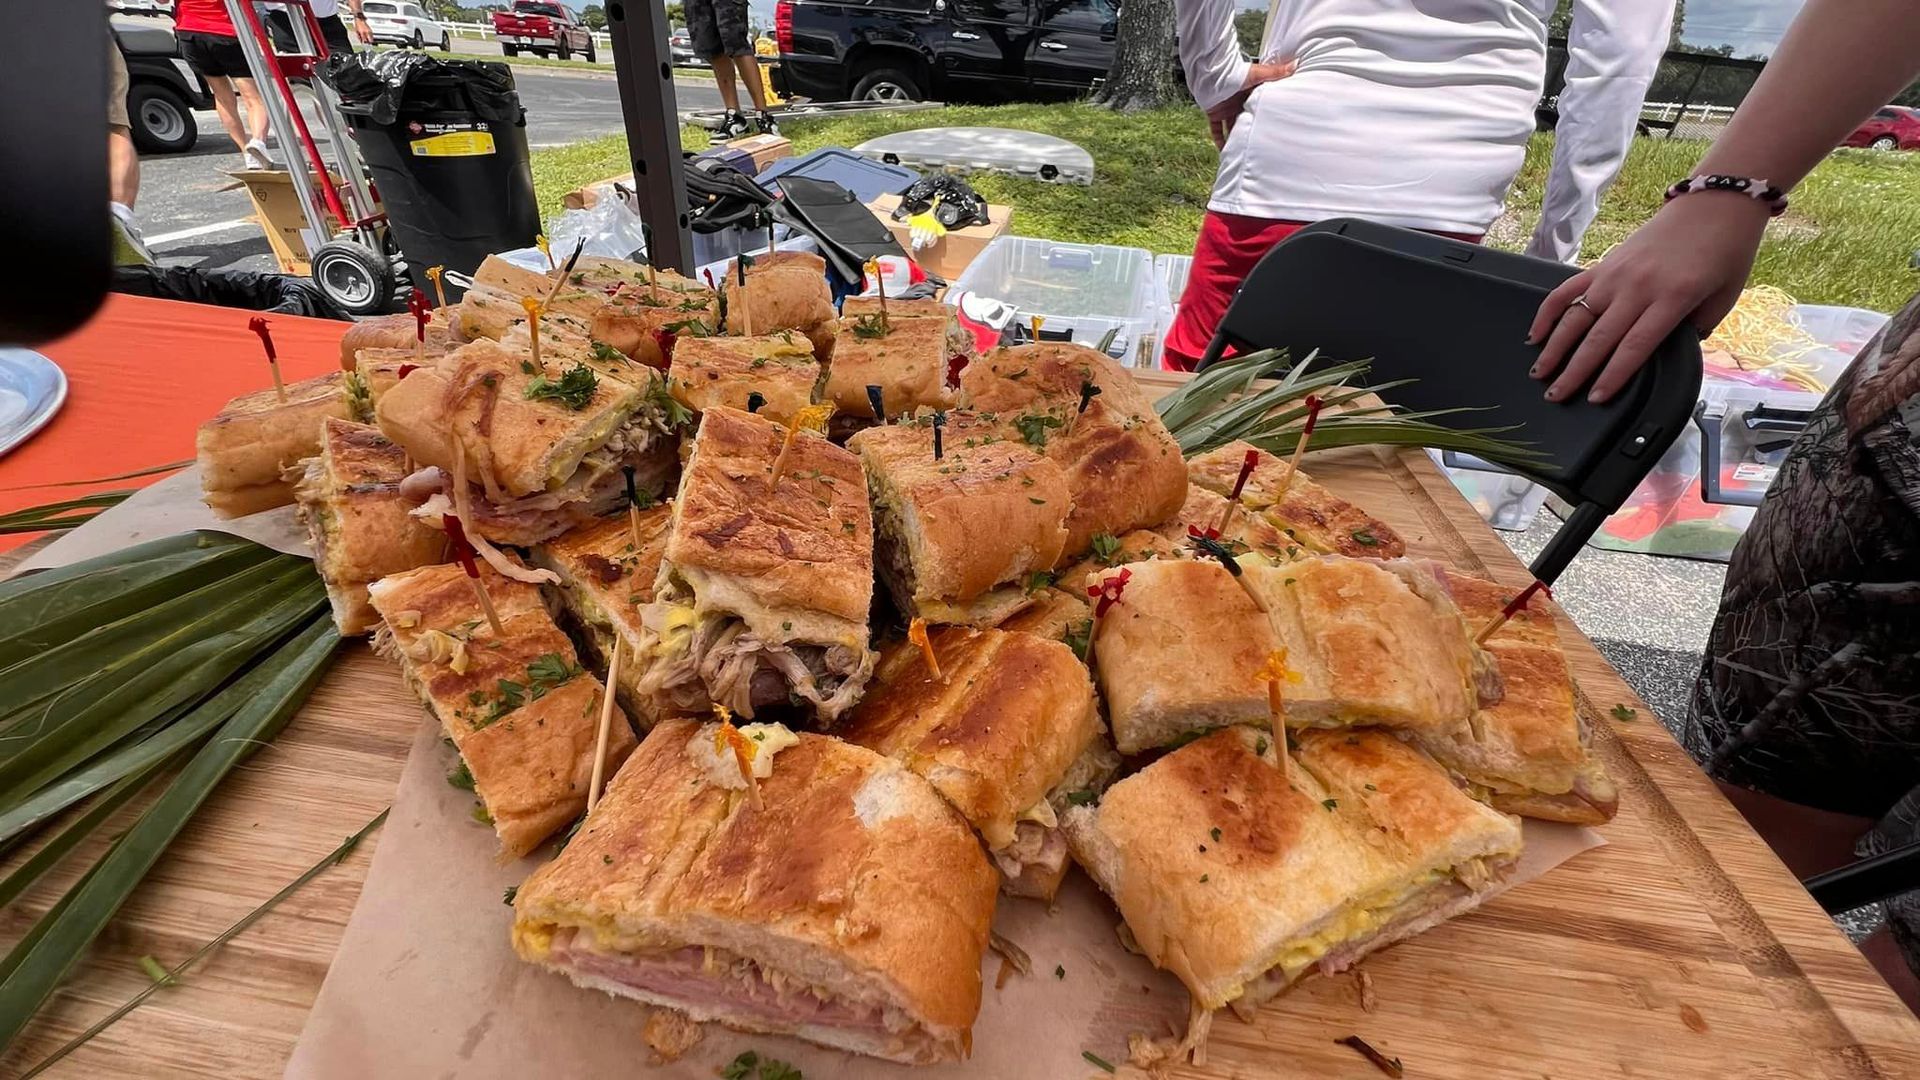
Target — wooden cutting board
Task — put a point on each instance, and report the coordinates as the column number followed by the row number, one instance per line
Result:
column 1682, row 949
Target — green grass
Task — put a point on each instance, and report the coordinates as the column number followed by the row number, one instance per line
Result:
column 1854, row 225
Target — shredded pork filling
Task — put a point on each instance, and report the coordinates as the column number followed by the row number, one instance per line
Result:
column 709, row 982
column 723, row 661
column 1033, row 845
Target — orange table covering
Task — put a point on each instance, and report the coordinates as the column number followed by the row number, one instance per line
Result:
column 142, row 374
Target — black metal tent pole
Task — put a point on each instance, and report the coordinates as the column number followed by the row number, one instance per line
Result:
column 643, row 66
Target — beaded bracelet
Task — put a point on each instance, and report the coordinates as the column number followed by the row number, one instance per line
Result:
column 1760, row 190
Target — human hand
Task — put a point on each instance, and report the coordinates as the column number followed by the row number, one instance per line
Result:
column 1220, row 118
column 1686, row 264
column 362, row 32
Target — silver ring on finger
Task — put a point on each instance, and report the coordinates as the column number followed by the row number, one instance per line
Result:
column 1581, row 302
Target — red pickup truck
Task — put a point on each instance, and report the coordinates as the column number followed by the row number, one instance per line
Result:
column 544, row 29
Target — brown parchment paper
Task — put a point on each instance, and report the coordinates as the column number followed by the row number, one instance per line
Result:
column 426, row 985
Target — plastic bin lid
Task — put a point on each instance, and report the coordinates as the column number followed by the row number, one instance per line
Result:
column 866, row 178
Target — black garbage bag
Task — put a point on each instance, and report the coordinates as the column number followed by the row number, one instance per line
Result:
column 281, row 294
column 376, row 84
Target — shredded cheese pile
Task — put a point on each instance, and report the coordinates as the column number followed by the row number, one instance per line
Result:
column 1760, row 334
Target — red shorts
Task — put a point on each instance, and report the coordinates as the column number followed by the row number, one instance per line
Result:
column 1223, row 256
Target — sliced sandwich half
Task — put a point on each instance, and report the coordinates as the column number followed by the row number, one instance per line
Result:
column 1533, row 754
column 247, row 450
column 1311, row 516
column 1241, row 883
column 765, row 585
column 961, row 535
column 851, row 909
column 995, row 733
column 362, row 527
column 606, row 581
column 518, row 707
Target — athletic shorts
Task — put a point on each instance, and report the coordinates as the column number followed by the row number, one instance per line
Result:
column 718, row 28
column 1224, row 254
column 213, row 55
column 116, row 88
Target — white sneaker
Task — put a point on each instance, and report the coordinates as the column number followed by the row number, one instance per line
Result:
column 255, row 156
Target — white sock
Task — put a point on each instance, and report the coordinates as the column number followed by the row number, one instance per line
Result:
column 122, row 211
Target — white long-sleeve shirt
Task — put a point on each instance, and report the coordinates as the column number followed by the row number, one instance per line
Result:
column 1417, row 114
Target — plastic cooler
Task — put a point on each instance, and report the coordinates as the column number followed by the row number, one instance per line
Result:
column 1083, row 290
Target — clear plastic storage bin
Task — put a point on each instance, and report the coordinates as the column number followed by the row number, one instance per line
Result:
column 1087, row 289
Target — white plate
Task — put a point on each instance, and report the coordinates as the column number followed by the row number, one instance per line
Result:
column 32, row 389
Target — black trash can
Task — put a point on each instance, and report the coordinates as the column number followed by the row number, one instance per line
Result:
column 446, row 141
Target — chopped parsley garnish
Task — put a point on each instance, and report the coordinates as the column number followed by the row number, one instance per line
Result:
column 606, row 353
column 1039, row 579
column 1080, row 638
column 480, row 814
column 1215, row 833
column 1059, row 972
column 1260, row 745
column 1036, row 502
column 1081, row 797
column 1097, row 1061
column 1330, row 804
column 547, row 672
column 1204, row 877
column 689, row 327
column 574, row 389
column 751, row 1066
column 461, row 777
column 508, row 896
column 526, row 366
column 871, row 326
column 1106, row 548
column 758, row 362
column 1365, row 537
column 672, row 413
column 1033, row 427
column 1624, row 712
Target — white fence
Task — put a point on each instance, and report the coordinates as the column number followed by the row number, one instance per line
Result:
column 1676, row 112
column 484, row 32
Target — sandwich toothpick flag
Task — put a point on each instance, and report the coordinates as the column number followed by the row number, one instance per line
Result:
column 463, row 553
column 1107, row 592
column 879, row 285
column 1088, row 391
column 814, row 417
column 939, row 426
column 434, row 273
column 540, row 241
column 1233, row 500
column 1300, row 448
column 1036, row 322
column 1218, row 550
column 633, row 507
column 653, row 282
column 606, row 725
column 417, row 303
column 259, row 326
column 1274, row 672
column 876, row 398
column 533, row 326
column 746, row 309
column 770, row 247
column 1513, row 608
column 755, row 400
column 955, row 365
column 917, row 634
column 727, row 738
column 560, row 279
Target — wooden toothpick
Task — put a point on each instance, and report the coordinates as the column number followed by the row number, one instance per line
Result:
column 879, row 285
column 259, row 326
column 1275, row 672
column 606, row 723
column 729, row 737
column 463, row 551
column 813, row 416
column 1233, row 500
column 434, row 274
column 917, row 634
column 1300, row 448
column 533, row 308
column 1513, row 608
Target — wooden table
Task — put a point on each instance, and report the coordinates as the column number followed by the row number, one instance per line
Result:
column 1683, row 949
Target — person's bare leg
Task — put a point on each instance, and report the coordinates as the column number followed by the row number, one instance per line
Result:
column 228, row 108
column 123, row 167
column 723, row 74
column 749, row 68
column 256, row 109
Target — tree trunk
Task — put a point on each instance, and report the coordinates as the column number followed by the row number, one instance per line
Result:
column 1143, row 59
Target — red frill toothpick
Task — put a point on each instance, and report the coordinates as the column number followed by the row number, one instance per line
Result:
column 259, row 326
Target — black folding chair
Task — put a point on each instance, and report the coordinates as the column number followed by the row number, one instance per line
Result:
column 1452, row 317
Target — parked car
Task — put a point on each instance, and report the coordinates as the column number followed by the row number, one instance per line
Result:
column 680, row 44
column 1895, row 127
column 543, row 28
column 404, row 23
column 950, row 50
column 162, row 91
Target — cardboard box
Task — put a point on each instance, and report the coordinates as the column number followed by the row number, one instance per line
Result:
column 763, row 149
column 951, row 253
column 276, row 206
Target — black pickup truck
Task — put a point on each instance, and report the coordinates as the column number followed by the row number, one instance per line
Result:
column 947, row 50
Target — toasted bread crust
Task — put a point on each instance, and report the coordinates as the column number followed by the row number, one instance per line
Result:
column 1307, row 513
column 711, row 372
column 255, row 439
column 909, row 365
